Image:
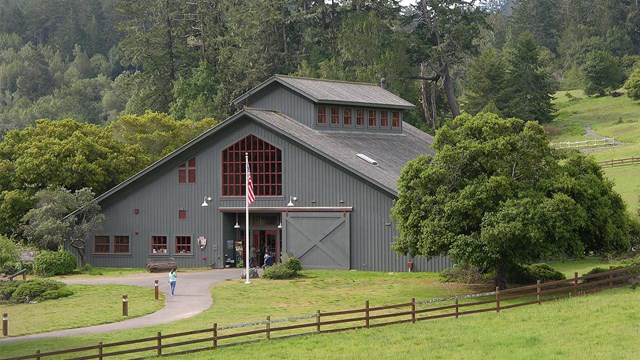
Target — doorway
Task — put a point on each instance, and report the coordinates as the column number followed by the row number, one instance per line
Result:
column 267, row 241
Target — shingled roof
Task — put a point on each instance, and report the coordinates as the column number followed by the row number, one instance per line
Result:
column 332, row 91
column 390, row 151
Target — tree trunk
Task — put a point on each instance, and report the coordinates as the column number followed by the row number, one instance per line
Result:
column 448, row 91
column 82, row 253
column 424, row 96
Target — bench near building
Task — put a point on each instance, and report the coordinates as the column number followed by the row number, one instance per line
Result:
column 324, row 156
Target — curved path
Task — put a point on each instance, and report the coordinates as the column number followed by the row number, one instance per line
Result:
column 193, row 296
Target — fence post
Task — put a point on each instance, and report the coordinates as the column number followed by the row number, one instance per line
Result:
column 269, row 327
column 538, row 291
column 215, row 335
column 610, row 277
column 156, row 289
column 497, row 299
column 100, row 350
column 125, row 305
column 37, row 354
column 413, row 310
column 575, row 284
column 5, row 324
column 159, row 343
column 318, row 321
column 366, row 317
column 457, row 308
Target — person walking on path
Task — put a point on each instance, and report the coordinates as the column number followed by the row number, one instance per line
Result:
column 173, row 275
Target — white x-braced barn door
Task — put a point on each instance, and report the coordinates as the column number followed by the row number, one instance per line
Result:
column 320, row 240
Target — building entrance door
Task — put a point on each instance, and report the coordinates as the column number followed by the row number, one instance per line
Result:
column 267, row 241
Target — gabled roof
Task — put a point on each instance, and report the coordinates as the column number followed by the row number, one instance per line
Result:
column 332, row 92
column 391, row 151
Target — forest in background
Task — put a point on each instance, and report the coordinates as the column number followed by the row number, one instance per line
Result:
column 93, row 91
column 95, row 60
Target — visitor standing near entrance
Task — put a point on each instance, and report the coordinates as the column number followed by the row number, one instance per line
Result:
column 173, row 276
column 268, row 260
column 263, row 253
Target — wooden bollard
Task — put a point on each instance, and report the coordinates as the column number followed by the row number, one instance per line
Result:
column 157, row 292
column 125, row 305
column 5, row 324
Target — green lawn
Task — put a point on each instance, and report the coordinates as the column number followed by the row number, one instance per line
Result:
column 80, row 309
column 236, row 302
column 608, row 117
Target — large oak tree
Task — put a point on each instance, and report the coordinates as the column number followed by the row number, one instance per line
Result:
column 496, row 196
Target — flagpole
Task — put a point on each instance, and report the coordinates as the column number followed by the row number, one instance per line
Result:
column 246, row 217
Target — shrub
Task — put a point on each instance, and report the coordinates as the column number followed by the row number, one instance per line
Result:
column 9, row 254
column 55, row 294
column 294, row 264
column 33, row 289
column 49, row 263
column 529, row 274
column 467, row 274
column 7, row 288
column 278, row 271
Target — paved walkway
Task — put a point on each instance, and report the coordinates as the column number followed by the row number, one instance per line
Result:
column 193, row 296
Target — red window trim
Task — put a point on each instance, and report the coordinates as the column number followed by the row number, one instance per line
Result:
column 96, row 244
column 373, row 118
column 158, row 244
column 395, row 123
column 335, row 116
column 384, row 119
column 266, row 168
column 347, row 117
column 322, row 115
column 359, row 117
column 117, row 246
column 183, row 245
column 187, row 172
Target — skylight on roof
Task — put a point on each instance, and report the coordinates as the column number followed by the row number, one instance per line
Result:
column 367, row 159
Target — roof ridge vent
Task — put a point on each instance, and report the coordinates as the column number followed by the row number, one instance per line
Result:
column 367, row 159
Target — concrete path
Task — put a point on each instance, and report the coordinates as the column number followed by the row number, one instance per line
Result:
column 192, row 297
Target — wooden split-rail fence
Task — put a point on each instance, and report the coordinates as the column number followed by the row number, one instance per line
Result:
column 366, row 317
column 620, row 162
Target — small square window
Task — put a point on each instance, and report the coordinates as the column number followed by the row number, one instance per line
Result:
column 159, row 244
column 121, row 244
column 183, row 244
column 101, row 244
column 182, row 214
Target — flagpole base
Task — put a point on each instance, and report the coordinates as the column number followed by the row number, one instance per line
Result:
column 247, row 282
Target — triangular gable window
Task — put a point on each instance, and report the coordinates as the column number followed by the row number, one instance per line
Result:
column 266, row 168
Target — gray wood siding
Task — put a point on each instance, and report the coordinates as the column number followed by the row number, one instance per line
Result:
column 312, row 179
column 289, row 103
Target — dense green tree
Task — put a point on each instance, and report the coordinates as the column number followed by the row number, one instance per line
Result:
column 445, row 34
column 632, row 85
column 529, row 88
column 156, row 134
column 495, row 196
column 540, row 18
column 602, row 73
column 486, row 82
column 9, row 254
column 62, row 217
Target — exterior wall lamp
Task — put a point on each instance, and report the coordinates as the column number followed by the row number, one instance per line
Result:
column 236, row 226
column 291, row 200
column 204, row 202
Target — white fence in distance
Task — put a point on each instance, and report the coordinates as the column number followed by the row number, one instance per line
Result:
column 584, row 144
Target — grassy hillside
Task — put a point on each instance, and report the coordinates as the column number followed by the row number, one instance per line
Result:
column 608, row 117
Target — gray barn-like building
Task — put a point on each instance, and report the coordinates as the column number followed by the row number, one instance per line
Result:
column 325, row 157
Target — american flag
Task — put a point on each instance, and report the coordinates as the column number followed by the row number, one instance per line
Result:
column 251, row 197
